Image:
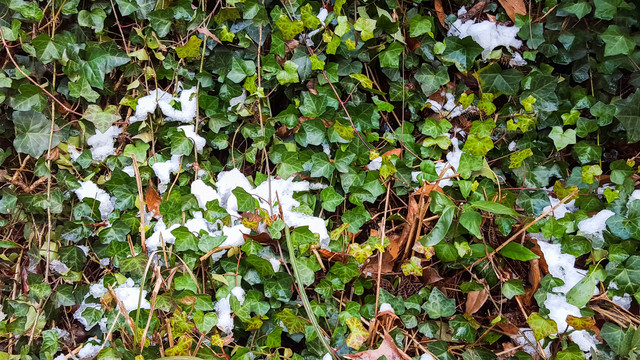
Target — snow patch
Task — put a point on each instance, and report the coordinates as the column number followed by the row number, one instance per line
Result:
column 449, row 108
column 375, row 164
column 487, row 34
column 223, row 310
column 161, row 233
column 164, row 169
column 426, row 356
column 90, row 349
column 562, row 209
column 453, row 159
column 88, row 189
column 239, row 293
column 562, row 266
column 386, row 307
column 148, row 104
column 102, row 143
column 204, row 193
column 129, row 294
column 58, row 267
column 596, row 224
column 199, row 141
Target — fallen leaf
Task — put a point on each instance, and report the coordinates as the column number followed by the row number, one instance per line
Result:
column 396, row 243
column 397, row 152
column 334, row 256
column 440, row 13
column 358, row 334
column 509, row 329
column 581, row 323
column 387, row 348
column 513, row 7
column 536, row 250
column 371, row 266
column 204, row 31
column 430, row 276
column 153, row 200
column 535, row 275
column 263, row 238
column 475, row 300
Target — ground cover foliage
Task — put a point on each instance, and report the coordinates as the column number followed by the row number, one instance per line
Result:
column 400, row 189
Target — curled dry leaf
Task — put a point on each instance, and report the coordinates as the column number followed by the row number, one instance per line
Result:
column 440, row 13
column 371, row 266
column 534, row 276
column 397, row 152
column 396, row 243
column 387, row 348
column 475, row 300
column 513, row 7
column 430, row 276
column 204, row 31
column 509, row 329
column 153, row 200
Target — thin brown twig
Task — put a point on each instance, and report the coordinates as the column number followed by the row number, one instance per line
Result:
column 142, row 203
column 6, row 46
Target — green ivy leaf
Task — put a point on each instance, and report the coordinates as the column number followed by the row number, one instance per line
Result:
column 461, row 52
column 629, row 115
column 430, row 81
column 439, row 305
column 512, row 288
column 102, row 119
column 289, row 74
column 561, row 138
column 420, row 25
column 330, row 199
column 32, row 133
column 289, row 28
column 246, row 202
column 391, row 56
column 366, row 27
column 495, row 80
column 515, row 251
column 616, row 43
column 358, row 334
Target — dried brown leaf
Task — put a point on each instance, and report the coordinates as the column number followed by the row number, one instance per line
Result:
column 430, row 276
column 206, row 32
column 513, row 7
column 153, row 200
column 387, row 348
column 440, row 13
column 475, row 300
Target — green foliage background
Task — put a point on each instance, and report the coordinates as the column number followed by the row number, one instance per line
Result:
column 355, row 84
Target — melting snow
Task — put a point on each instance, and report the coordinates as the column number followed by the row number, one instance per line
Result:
column 154, row 242
column 223, row 310
column 386, row 307
column 596, row 224
column 199, row 141
column 204, row 193
column 562, row 266
column 164, row 169
column 102, row 143
column 449, row 108
column 147, row 105
column 88, row 189
column 453, row 159
column 561, row 210
column 90, row 349
column 487, row 34
column 239, row 293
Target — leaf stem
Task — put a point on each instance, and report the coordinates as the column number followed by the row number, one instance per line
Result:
column 301, row 292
